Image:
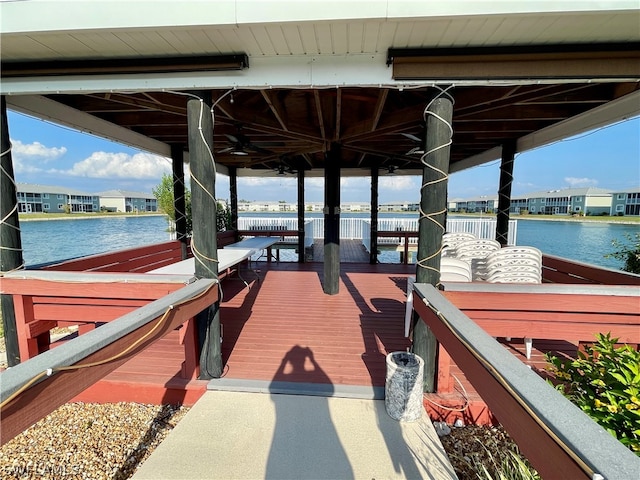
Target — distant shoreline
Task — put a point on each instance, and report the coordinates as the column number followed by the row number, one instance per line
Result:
column 26, row 217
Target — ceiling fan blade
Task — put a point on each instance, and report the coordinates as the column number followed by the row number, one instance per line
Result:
column 225, row 150
column 256, row 148
column 232, row 138
column 411, row 137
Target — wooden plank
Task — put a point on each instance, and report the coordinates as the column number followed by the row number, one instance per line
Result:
column 569, row 271
column 544, row 302
column 117, row 287
column 95, row 262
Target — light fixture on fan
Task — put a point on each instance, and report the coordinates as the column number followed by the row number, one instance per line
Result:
column 237, row 150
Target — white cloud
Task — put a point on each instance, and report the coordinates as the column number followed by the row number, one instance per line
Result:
column 120, row 165
column 28, row 157
column 400, row 183
column 580, row 182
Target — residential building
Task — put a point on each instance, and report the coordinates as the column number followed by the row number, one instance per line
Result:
column 399, row 207
column 125, row 201
column 50, row 199
column 481, row 204
column 626, row 202
column 580, row 201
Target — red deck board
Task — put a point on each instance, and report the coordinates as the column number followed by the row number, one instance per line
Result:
column 349, row 334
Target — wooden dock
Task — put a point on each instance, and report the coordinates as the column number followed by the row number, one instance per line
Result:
column 285, row 316
column 351, row 251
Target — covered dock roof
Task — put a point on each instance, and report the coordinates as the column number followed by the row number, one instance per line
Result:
column 290, row 78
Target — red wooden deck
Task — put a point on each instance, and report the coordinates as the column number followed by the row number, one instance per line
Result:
column 347, row 334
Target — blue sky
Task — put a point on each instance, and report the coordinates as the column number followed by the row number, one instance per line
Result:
column 47, row 154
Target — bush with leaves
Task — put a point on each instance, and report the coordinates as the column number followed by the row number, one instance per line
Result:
column 628, row 252
column 604, row 382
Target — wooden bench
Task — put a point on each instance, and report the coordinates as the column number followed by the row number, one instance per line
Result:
column 44, row 300
column 574, row 313
column 132, row 260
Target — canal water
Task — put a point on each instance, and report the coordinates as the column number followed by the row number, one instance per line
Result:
column 52, row 240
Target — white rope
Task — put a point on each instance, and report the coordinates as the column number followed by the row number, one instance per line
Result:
column 5, row 223
column 441, row 176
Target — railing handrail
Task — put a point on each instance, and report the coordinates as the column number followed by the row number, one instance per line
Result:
column 356, row 228
column 49, row 391
column 530, row 409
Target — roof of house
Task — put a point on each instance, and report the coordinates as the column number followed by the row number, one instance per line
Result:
column 35, row 188
column 125, row 194
column 569, row 192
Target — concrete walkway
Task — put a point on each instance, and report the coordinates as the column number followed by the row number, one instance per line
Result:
column 242, row 435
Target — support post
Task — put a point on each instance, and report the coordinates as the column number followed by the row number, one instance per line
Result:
column 373, row 252
column 433, row 206
column 179, row 199
column 504, row 192
column 331, row 284
column 233, row 194
column 205, row 248
column 301, row 232
column 10, row 241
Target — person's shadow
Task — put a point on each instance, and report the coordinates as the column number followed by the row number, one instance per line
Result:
column 305, row 443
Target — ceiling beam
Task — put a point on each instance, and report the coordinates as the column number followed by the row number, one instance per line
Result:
column 274, row 110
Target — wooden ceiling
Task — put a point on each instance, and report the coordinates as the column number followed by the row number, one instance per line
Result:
column 282, row 130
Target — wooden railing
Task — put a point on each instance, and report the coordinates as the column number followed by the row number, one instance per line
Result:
column 31, row 390
column 562, row 270
column 44, row 300
column 575, row 313
column 559, row 440
column 133, row 260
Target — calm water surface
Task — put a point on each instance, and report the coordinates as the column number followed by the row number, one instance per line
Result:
column 52, row 240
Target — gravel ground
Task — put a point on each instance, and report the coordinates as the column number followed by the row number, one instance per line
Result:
column 88, row 441
column 109, row 441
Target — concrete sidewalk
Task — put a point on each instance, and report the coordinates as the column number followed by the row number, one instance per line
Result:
column 234, row 435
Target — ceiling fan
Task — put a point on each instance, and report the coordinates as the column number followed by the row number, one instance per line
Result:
column 419, row 148
column 282, row 169
column 242, row 146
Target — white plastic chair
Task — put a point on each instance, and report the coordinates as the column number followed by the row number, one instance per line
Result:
column 452, row 239
column 475, row 253
column 454, row 269
column 516, row 265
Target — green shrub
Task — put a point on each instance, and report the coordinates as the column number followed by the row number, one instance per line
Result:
column 604, row 382
column 628, row 252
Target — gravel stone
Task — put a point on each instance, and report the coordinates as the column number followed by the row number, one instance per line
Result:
column 89, row 441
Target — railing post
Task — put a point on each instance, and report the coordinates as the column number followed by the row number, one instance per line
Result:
column 504, row 192
column 200, row 130
column 301, row 232
column 10, row 241
column 433, row 205
column 331, row 283
column 373, row 240
column 179, row 200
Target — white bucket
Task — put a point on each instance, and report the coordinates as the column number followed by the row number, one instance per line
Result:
column 403, row 386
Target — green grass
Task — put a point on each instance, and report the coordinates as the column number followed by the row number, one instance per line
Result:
column 568, row 218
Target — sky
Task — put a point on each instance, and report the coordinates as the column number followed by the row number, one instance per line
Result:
column 47, row 154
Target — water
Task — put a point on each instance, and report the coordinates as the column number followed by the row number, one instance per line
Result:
column 53, row 240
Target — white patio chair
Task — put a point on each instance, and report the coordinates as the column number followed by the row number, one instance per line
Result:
column 452, row 239
column 475, row 253
column 451, row 270
column 454, row 269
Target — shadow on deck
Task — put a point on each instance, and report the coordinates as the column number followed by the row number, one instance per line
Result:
column 349, row 335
